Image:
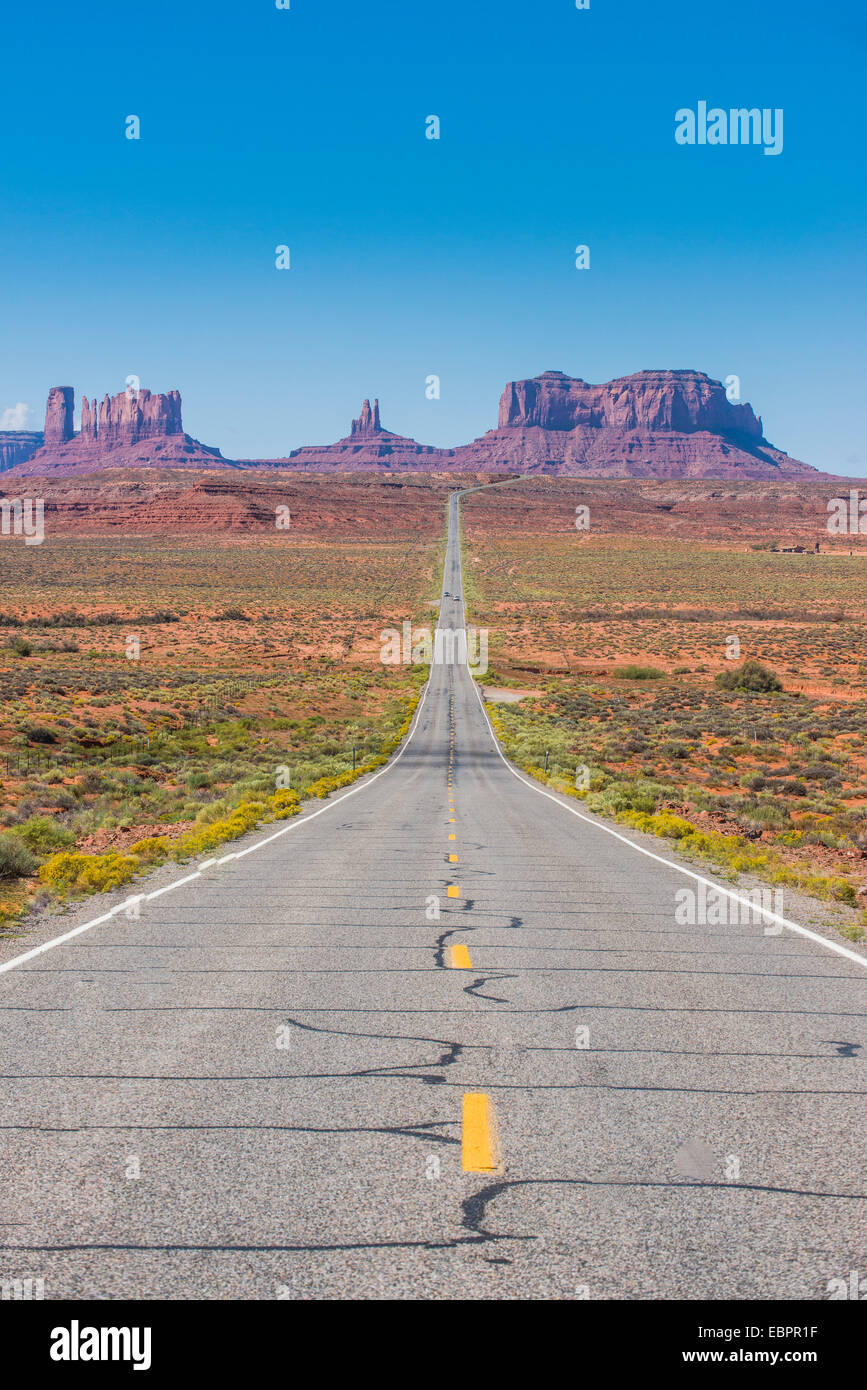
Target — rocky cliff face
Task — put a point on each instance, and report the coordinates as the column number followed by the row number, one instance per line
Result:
column 368, row 445
column 659, row 424
column 368, row 422
column 133, row 429
column 58, row 415
column 134, row 415
column 16, row 446
column 679, row 401
column 655, row 424
column 609, row 452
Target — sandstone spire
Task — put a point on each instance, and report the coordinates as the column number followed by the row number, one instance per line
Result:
column 88, row 418
column 368, row 422
column 58, row 414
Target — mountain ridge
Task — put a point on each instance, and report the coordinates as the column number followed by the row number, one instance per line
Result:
column 661, row 423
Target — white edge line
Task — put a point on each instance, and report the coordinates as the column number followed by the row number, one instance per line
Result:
column 296, row 825
column 660, row 859
column 67, row 936
column 148, row 897
column 669, row 863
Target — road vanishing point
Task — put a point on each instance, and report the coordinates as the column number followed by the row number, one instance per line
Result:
column 440, row 1038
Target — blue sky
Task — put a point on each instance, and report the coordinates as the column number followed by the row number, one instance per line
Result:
column 413, row 257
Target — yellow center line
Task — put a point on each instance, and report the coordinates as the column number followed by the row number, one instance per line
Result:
column 459, row 957
column 480, row 1143
column 453, row 836
column 453, row 859
column 453, row 891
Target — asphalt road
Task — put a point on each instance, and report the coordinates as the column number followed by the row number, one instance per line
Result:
column 259, row 1088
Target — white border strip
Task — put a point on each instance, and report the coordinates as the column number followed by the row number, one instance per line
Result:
column 188, row 878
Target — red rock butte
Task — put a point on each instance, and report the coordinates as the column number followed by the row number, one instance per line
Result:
column 367, row 446
column 134, row 429
column 653, row 424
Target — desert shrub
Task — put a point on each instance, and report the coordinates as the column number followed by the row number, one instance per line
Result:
column 91, row 781
column 821, row 772
column 58, row 797
column 39, row 733
column 231, row 615
column 16, row 860
column 751, row 676
column 207, row 837
column 68, row 873
column 642, row 796
column 638, row 673
column 840, row 890
column 213, row 811
column 43, row 835
column 324, row 785
column 764, row 813
column 852, row 931
column 792, row 788
column 284, row 803
column 150, row 850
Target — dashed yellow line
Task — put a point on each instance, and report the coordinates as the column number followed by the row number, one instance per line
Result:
column 480, row 1142
column 459, row 957
column 453, row 859
column 452, row 836
column 453, row 891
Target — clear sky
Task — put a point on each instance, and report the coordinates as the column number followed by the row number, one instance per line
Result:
column 412, row 257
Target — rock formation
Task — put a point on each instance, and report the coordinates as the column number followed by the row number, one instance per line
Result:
column 368, row 445
column 653, row 424
column 58, row 415
column 133, row 429
column 368, row 422
column 134, row 415
column 88, row 419
column 16, row 446
column 683, row 401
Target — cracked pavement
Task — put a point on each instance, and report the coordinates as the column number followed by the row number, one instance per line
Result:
column 280, row 1048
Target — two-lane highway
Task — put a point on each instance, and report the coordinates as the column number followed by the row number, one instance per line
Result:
column 278, row 1081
